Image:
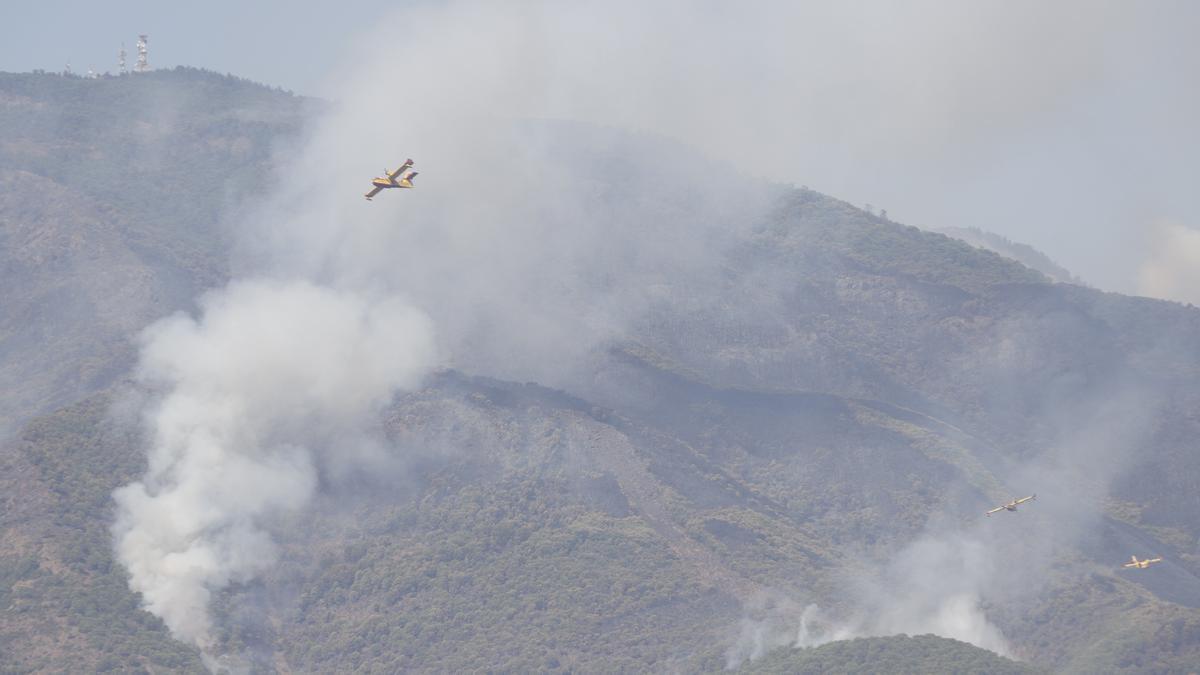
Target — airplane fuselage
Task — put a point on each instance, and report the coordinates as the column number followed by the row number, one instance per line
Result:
column 1011, row 506
column 400, row 178
column 385, row 183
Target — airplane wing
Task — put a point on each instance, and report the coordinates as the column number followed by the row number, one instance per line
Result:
column 998, row 508
column 1022, row 500
column 403, row 167
column 1132, row 564
column 374, row 191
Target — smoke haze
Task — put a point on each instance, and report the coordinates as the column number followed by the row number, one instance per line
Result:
column 522, row 246
column 1065, row 125
column 528, row 244
column 1058, row 125
column 1172, row 269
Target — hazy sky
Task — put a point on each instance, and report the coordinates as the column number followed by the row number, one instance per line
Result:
column 1067, row 125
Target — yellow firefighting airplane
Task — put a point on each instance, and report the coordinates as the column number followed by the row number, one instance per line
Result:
column 1011, row 506
column 1141, row 564
column 400, row 178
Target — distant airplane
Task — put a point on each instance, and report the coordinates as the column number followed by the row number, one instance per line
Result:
column 1141, row 564
column 1011, row 506
column 400, row 178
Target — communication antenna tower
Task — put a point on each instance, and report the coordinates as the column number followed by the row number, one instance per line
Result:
column 143, row 63
column 121, row 59
column 67, row 70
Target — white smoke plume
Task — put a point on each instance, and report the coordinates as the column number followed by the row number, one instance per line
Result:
column 966, row 572
column 778, row 621
column 933, row 586
column 271, row 375
column 1172, row 270
column 936, row 585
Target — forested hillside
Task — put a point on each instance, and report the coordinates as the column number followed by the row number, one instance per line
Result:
column 902, row 655
column 1022, row 253
column 115, row 195
column 787, row 448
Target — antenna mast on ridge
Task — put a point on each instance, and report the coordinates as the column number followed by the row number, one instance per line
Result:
column 121, row 60
column 143, row 61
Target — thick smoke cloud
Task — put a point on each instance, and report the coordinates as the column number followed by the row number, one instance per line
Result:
column 937, row 585
column 880, row 102
column 1064, row 125
column 271, row 376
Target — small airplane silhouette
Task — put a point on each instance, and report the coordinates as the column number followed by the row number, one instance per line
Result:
column 1141, row 564
column 400, row 178
column 1011, row 506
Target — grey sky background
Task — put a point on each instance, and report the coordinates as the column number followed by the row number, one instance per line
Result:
column 1067, row 125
